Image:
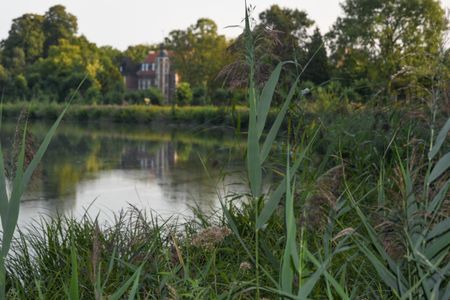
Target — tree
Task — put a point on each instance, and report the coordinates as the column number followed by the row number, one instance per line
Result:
column 183, row 93
column 386, row 40
column 199, row 53
column 318, row 69
column 138, row 53
column 26, row 33
column 58, row 24
column 63, row 69
column 291, row 26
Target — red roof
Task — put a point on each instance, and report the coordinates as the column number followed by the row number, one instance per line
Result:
column 151, row 57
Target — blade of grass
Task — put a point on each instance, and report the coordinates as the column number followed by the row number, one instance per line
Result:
column 266, row 97
column 122, row 290
column 441, row 166
column 439, row 140
column 74, row 293
column 287, row 268
column 274, row 199
column 268, row 143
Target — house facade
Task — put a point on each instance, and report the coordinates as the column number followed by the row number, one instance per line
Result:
column 155, row 71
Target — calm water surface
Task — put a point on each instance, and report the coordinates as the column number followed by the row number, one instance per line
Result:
column 108, row 167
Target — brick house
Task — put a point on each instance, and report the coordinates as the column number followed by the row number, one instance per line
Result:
column 155, row 71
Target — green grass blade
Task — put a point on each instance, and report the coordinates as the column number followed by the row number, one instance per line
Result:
column 441, row 166
column 253, row 161
column 438, row 245
column 74, row 283
column 122, row 290
column 3, row 195
column 384, row 273
column 380, row 249
column 439, row 229
column 436, row 203
column 110, row 267
column 39, row 290
column 267, row 146
column 135, row 287
column 310, row 282
column 266, row 97
column 235, row 230
column 287, row 268
column 446, row 295
column 42, row 149
column 337, row 286
column 439, row 140
column 274, row 200
column 14, row 203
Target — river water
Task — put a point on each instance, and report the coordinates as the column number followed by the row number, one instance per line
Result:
column 106, row 168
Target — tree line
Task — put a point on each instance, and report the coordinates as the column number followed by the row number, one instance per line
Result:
column 377, row 47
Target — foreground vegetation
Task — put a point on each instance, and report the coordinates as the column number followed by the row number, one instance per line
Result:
column 355, row 216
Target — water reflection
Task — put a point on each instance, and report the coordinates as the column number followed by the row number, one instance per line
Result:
column 108, row 167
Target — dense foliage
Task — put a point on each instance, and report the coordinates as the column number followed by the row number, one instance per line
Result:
column 381, row 47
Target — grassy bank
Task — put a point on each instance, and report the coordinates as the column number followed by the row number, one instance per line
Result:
column 208, row 115
column 353, row 224
column 355, row 227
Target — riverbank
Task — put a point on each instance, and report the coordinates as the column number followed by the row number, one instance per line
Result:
column 142, row 114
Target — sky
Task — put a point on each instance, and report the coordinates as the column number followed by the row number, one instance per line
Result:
column 120, row 23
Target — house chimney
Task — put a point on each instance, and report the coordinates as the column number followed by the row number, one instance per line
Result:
column 161, row 50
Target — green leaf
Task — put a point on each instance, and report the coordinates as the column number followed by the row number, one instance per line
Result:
column 384, row 273
column 254, row 168
column 3, row 195
column 14, row 203
column 266, row 98
column 441, row 166
column 439, row 140
column 378, row 246
column 438, row 245
column 135, row 287
column 267, row 146
column 122, row 290
column 435, row 204
column 439, row 229
column 271, row 205
column 337, row 286
column 287, row 267
column 310, row 282
column 73, row 291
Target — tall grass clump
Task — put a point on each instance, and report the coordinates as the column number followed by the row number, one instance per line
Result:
column 412, row 258
column 291, row 279
column 9, row 213
column 10, row 204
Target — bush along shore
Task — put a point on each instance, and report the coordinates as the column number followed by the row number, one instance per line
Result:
column 208, row 115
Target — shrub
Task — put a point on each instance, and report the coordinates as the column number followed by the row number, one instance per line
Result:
column 184, row 94
column 199, row 96
column 221, row 97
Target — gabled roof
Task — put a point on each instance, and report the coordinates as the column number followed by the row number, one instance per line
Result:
column 151, row 57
